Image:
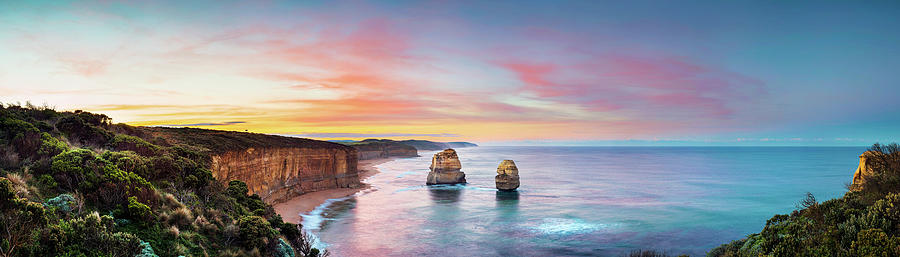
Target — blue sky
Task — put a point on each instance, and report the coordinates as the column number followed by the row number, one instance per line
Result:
column 496, row 72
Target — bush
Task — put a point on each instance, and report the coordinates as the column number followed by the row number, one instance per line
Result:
column 122, row 142
column 284, row 249
column 198, row 216
column 85, row 132
column 93, row 235
column 130, row 162
column 874, row 242
column 50, row 146
column 21, row 135
column 77, row 169
column 18, row 219
column 255, row 231
column 861, row 223
column 138, row 210
column 63, row 203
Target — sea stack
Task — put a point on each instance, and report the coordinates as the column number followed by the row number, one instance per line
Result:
column 445, row 168
column 507, row 178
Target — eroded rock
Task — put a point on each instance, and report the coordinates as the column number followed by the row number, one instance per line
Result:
column 507, row 178
column 445, row 168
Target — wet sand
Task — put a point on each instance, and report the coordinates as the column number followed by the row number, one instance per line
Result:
column 290, row 210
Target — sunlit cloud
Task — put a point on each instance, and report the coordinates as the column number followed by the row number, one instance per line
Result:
column 368, row 135
column 203, row 124
column 373, row 69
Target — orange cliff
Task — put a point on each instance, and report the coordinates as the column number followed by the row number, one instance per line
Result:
column 279, row 173
column 276, row 168
column 869, row 162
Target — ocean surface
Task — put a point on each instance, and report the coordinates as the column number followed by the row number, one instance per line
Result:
column 580, row 201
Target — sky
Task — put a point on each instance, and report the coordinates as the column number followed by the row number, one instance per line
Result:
column 491, row 72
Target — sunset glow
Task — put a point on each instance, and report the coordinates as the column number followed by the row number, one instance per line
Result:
column 585, row 73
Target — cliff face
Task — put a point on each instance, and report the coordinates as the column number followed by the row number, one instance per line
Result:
column 375, row 149
column 276, row 174
column 274, row 167
column 863, row 171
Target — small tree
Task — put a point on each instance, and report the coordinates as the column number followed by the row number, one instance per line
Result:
column 255, row 231
column 18, row 219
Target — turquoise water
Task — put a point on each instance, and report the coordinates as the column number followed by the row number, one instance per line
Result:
column 581, row 201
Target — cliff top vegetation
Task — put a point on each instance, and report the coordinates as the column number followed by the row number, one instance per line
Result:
column 75, row 184
column 863, row 222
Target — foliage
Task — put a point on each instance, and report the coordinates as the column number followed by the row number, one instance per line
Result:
column 63, row 203
column 146, row 250
column 861, row 223
column 153, row 184
column 284, row 249
column 18, row 219
column 50, row 146
column 255, row 231
column 138, row 210
column 124, row 142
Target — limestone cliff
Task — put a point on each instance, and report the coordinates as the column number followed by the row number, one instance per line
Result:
column 274, row 167
column 862, row 172
column 375, row 149
column 276, row 174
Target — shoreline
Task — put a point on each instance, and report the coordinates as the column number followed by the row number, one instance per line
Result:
column 290, row 210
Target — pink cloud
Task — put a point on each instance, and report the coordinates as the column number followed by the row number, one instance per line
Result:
column 646, row 87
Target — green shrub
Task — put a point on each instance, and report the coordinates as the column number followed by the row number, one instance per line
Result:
column 77, row 169
column 129, row 161
column 85, row 132
column 122, row 142
column 255, row 231
column 284, row 249
column 237, row 189
column 211, row 219
column 50, row 146
column 93, row 235
column 138, row 210
column 63, row 203
column 861, row 223
column 19, row 218
column 21, row 135
column 874, row 242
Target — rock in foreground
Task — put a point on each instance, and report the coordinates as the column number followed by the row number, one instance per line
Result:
column 445, row 168
column 507, row 178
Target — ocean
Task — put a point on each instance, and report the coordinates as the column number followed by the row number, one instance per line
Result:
column 580, row 201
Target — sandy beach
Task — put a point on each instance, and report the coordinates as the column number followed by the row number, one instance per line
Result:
column 290, row 210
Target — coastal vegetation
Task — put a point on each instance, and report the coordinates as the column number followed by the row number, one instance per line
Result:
column 75, row 184
column 864, row 222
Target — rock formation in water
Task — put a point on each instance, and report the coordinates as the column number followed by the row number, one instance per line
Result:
column 445, row 168
column 507, row 178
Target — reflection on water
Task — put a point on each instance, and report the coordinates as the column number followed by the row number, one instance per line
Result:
column 444, row 194
column 507, row 197
column 580, row 201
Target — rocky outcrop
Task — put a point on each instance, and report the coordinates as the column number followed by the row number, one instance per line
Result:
column 274, row 167
column 507, row 178
column 376, row 149
column 445, row 168
column 276, row 174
